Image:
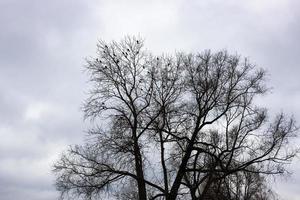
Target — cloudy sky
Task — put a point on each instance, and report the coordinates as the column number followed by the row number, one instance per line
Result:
column 43, row 45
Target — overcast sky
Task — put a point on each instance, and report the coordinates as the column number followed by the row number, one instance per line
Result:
column 43, row 45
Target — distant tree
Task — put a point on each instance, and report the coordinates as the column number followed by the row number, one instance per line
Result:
column 174, row 127
column 241, row 186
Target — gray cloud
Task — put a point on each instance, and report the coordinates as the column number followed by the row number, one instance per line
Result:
column 42, row 49
column 41, row 89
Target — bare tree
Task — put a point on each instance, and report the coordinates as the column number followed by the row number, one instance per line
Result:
column 240, row 186
column 173, row 127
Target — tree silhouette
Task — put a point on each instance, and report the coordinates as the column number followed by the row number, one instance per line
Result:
column 174, row 127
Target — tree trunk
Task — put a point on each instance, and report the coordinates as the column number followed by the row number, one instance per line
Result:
column 139, row 166
column 175, row 187
column 140, row 174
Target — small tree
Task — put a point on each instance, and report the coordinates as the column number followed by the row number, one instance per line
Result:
column 173, row 127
